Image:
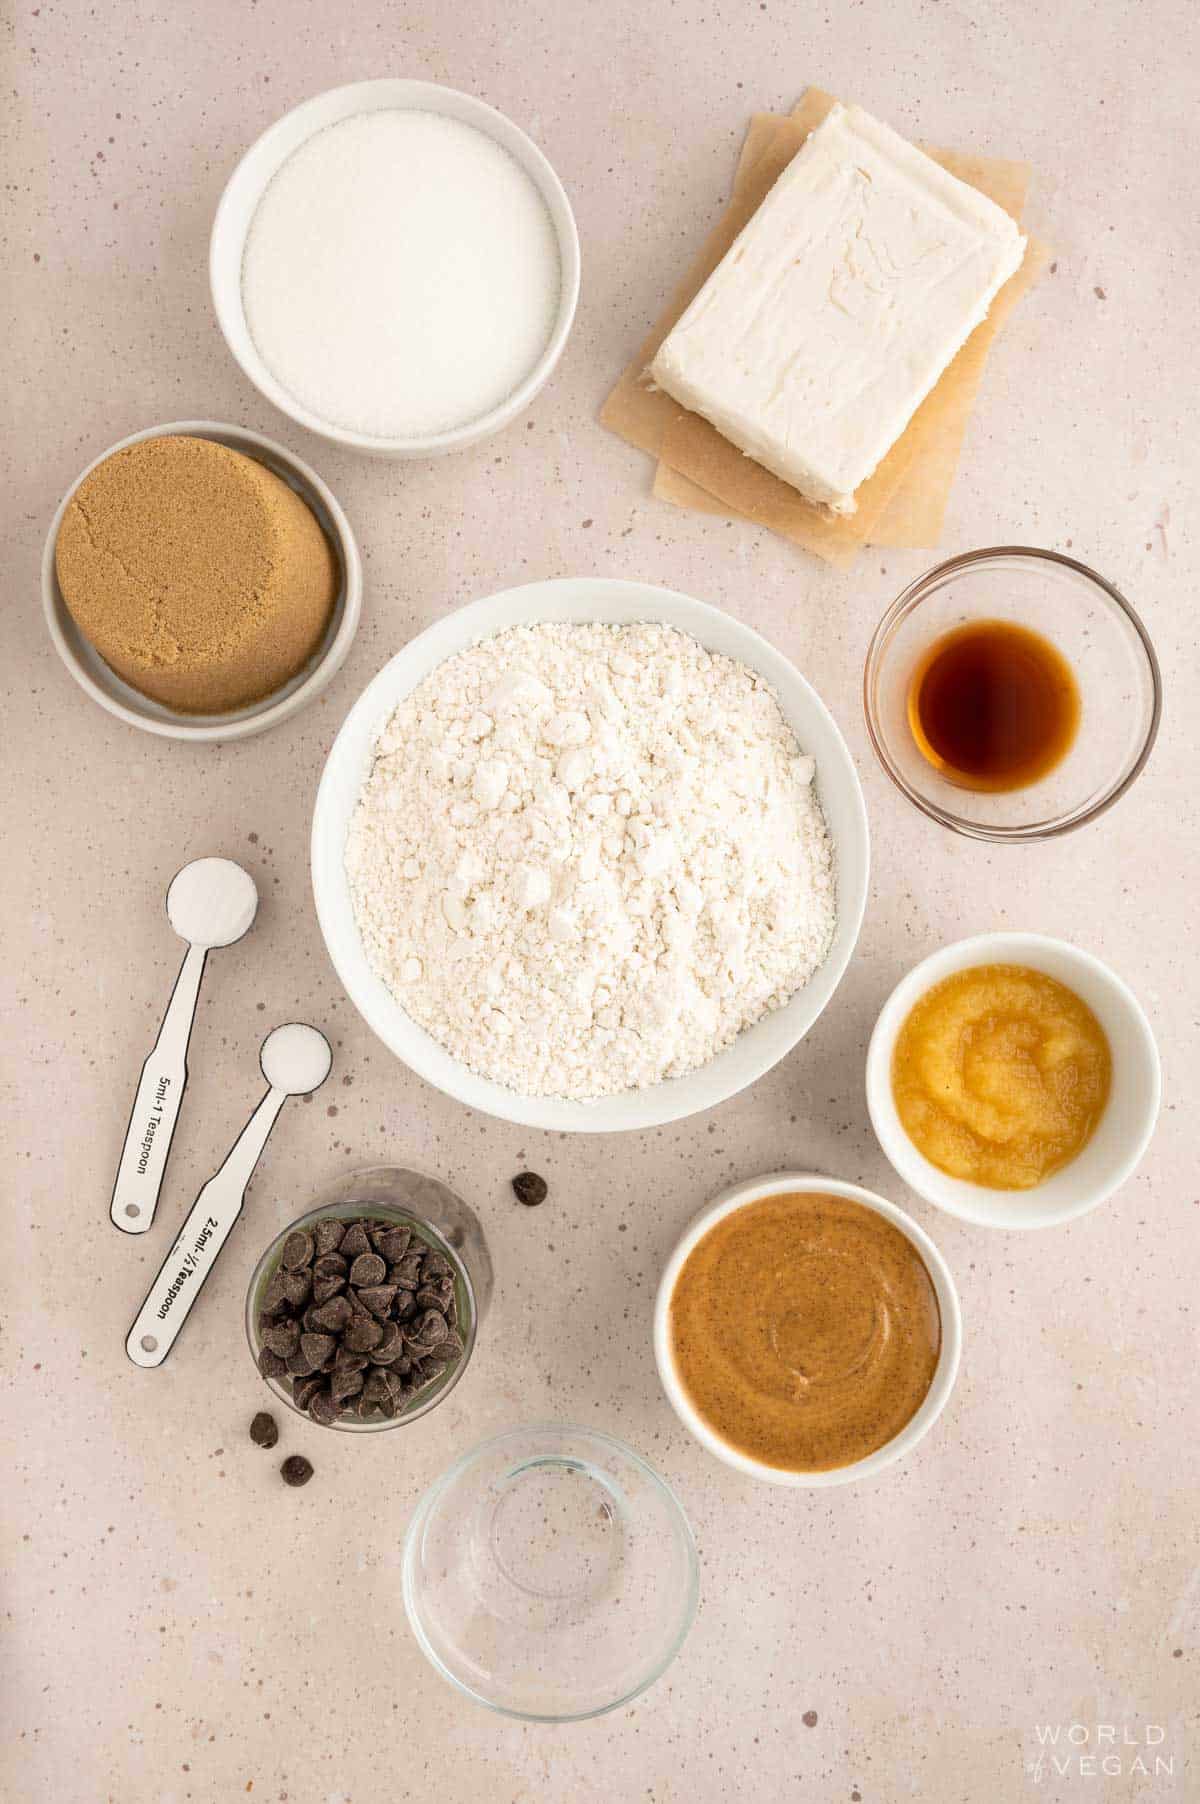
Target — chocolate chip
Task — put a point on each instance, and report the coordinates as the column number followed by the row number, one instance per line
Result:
column 296, row 1470
column 299, row 1364
column 318, row 1348
column 282, row 1338
column 348, row 1360
column 530, row 1189
column 275, row 1295
column 392, row 1243
column 296, row 1287
column 406, row 1273
column 271, row 1365
column 433, row 1267
column 264, row 1430
column 324, row 1408
column 305, row 1389
column 363, row 1335
column 333, row 1316
column 327, row 1236
column 430, row 1330
column 376, row 1387
column 405, row 1305
column 378, row 1298
column 446, row 1352
column 297, row 1251
column 435, row 1297
column 331, row 1265
column 324, row 1288
column 354, row 1241
column 389, row 1348
column 368, row 1269
column 344, row 1384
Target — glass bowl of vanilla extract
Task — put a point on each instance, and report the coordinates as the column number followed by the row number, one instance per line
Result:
column 1012, row 694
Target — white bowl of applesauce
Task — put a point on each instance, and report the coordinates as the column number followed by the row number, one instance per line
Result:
column 807, row 1332
column 1001, row 1108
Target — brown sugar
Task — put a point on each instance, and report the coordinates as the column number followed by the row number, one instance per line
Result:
column 196, row 572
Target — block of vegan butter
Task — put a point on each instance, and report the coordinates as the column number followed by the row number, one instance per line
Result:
column 838, row 306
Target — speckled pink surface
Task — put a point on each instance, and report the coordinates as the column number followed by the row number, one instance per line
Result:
column 178, row 1624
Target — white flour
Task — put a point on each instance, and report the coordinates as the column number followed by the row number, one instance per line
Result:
column 588, row 856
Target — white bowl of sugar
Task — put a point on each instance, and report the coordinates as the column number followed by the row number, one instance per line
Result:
column 395, row 266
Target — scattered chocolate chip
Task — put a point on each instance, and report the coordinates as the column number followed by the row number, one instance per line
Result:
column 297, row 1251
column 296, row 1470
column 368, row 1269
column 530, row 1189
column 264, row 1430
column 327, row 1236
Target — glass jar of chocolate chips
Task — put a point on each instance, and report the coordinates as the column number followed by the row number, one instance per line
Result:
column 363, row 1313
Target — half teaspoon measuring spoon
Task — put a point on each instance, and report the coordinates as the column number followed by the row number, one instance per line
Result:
column 211, row 902
column 295, row 1061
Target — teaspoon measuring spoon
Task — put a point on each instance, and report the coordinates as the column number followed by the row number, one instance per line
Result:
column 211, row 902
column 295, row 1060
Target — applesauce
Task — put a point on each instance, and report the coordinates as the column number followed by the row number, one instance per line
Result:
column 1000, row 1075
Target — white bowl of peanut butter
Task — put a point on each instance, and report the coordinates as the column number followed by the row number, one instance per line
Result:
column 807, row 1332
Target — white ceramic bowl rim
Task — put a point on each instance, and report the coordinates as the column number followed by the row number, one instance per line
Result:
column 118, row 698
column 1098, row 1170
column 262, row 161
column 586, row 599
column 945, row 1372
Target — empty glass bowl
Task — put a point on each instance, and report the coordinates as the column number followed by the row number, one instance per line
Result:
column 1098, row 634
column 439, row 1219
column 550, row 1574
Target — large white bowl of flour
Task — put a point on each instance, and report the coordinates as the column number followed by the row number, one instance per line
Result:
column 585, row 600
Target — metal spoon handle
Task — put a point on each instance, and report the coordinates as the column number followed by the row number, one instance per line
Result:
column 170, row 1299
column 156, row 1105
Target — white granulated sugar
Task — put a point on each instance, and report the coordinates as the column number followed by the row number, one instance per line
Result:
column 586, row 857
column 401, row 274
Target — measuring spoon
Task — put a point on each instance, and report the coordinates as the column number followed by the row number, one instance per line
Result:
column 211, row 902
column 295, row 1060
